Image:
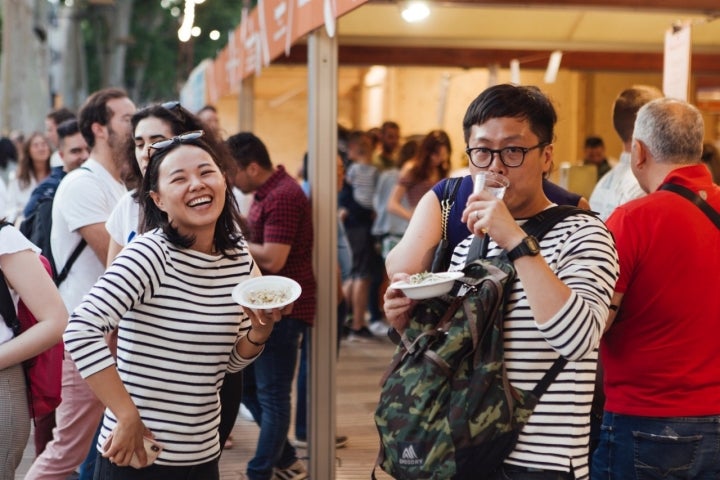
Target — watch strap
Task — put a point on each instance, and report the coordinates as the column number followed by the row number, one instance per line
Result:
column 522, row 249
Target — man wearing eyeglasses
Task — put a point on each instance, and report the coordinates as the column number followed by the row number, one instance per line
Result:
column 560, row 297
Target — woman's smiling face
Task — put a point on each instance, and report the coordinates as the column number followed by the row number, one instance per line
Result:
column 191, row 190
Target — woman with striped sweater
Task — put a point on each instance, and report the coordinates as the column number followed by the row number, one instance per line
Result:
column 169, row 295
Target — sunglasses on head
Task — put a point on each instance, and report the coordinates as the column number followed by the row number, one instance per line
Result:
column 182, row 138
column 170, row 105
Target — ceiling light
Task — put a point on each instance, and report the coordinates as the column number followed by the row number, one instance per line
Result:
column 553, row 66
column 415, row 11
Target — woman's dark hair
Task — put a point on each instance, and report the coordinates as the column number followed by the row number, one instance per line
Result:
column 506, row 100
column 228, row 227
column 95, row 110
column 247, row 148
column 431, row 144
column 175, row 116
column 8, row 152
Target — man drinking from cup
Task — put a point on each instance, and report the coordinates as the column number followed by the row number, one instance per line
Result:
column 560, row 296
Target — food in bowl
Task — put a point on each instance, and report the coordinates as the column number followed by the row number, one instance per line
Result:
column 423, row 277
column 268, row 296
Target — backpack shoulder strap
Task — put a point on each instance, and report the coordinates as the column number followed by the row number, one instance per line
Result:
column 68, row 265
column 541, row 223
column 537, row 226
column 62, row 275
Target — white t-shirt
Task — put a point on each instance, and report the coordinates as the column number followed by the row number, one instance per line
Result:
column 17, row 197
column 122, row 224
column 244, row 200
column 12, row 241
column 86, row 196
column 616, row 187
column 3, row 196
column 56, row 159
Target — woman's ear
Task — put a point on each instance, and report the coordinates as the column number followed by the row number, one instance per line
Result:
column 158, row 201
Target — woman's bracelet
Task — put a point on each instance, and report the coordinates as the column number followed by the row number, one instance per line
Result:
column 257, row 344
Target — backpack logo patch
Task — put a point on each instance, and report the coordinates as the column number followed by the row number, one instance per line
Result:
column 411, row 454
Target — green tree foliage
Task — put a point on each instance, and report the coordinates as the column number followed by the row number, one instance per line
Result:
column 157, row 63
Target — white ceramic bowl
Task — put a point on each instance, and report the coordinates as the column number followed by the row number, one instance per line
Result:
column 285, row 289
column 440, row 284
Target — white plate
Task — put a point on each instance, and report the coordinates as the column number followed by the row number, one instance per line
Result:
column 440, row 285
column 243, row 291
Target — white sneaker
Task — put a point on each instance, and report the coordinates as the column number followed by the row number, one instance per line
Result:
column 296, row 471
column 245, row 413
column 379, row 328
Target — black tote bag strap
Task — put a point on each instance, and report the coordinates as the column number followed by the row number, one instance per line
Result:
column 711, row 213
column 441, row 256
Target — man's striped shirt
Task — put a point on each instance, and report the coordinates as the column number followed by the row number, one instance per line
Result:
column 581, row 251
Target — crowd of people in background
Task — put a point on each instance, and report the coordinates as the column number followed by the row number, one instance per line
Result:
column 142, row 203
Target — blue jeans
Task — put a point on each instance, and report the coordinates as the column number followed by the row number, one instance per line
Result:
column 512, row 472
column 657, row 448
column 86, row 470
column 301, row 389
column 266, row 393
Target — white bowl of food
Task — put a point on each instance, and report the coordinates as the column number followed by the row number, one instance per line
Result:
column 266, row 292
column 427, row 285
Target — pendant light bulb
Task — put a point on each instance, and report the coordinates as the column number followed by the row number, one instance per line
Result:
column 415, row 11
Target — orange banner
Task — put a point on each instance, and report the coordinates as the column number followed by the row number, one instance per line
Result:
column 274, row 16
column 307, row 15
column 234, row 67
column 251, row 45
column 221, row 86
column 264, row 34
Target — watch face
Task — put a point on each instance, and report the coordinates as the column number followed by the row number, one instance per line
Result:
column 528, row 246
column 532, row 245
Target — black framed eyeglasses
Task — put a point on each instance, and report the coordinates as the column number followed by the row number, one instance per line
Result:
column 511, row 157
column 182, row 138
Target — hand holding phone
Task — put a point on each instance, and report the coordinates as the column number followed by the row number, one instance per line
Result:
column 152, row 450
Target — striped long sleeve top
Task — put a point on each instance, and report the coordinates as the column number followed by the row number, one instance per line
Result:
column 177, row 327
column 581, row 252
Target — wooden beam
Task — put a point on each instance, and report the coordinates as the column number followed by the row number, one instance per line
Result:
column 702, row 64
column 704, row 6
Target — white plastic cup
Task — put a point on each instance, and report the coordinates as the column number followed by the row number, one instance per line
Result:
column 491, row 182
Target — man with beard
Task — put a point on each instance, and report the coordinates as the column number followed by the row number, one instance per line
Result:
column 83, row 202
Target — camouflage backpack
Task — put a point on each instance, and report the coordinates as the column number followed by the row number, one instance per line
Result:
column 447, row 409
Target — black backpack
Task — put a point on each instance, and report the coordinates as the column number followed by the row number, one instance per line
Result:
column 37, row 227
column 447, row 409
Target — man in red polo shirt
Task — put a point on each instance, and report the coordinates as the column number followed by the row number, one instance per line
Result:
column 662, row 369
column 281, row 241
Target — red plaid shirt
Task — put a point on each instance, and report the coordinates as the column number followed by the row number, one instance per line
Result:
column 281, row 213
